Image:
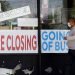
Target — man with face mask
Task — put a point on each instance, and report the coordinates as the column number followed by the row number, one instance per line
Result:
column 71, row 37
column 71, row 44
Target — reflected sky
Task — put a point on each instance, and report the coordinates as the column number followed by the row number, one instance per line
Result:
column 52, row 4
column 55, row 3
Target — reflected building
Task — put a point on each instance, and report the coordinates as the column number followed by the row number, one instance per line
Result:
column 59, row 11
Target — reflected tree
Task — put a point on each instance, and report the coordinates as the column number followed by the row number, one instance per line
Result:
column 5, row 5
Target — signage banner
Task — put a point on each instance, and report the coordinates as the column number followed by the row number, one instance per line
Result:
column 52, row 41
column 18, row 12
column 28, row 22
column 18, row 41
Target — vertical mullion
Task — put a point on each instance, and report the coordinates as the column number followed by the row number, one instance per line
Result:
column 39, row 36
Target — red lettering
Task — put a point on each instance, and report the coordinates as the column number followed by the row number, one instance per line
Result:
column 25, row 42
column 8, row 38
column 13, row 48
column 2, row 42
column 17, row 42
column 34, row 42
column 22, row 41
column 28, row 43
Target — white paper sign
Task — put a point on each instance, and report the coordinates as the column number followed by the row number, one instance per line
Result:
column 5, row 71
column 28, row 22
column 52, row 41
column 18, row 41
column 15, row 13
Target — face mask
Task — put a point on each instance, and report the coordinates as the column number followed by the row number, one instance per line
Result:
column 69, row 25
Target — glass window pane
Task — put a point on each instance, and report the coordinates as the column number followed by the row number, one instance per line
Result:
column 17, row 6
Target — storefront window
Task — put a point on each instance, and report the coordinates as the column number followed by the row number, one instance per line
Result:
column 53, row 14
column 14, row 9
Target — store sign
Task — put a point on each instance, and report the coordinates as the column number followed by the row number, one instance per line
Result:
column 5, row 71
column 18, row 41
column 18, row 12
column 52, row 41
column 28, row 22
column 0, row 7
